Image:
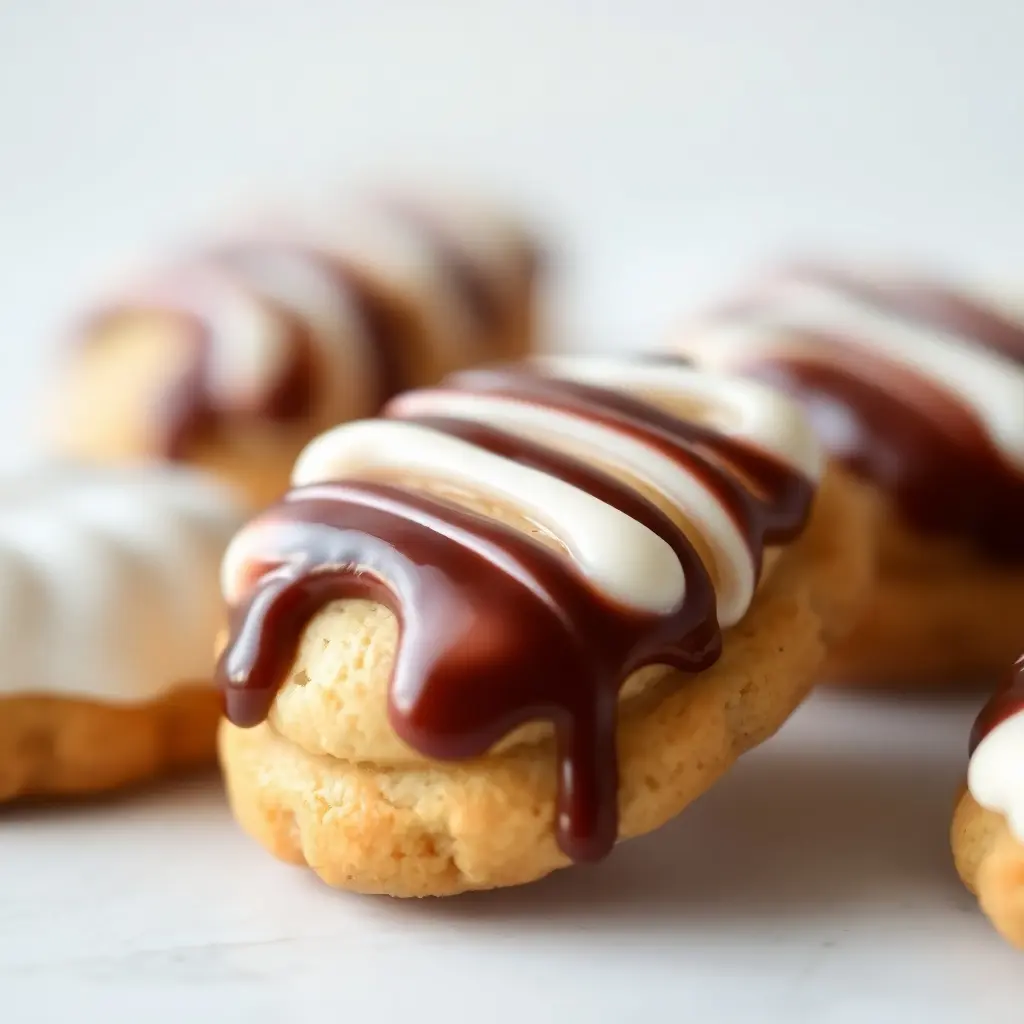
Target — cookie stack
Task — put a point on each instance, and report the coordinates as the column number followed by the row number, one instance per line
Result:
column 483, row 621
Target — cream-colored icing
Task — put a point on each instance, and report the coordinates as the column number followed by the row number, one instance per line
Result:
column 803, row 319
column 742, row 409
column 108, row 580
column 620, row 556
column 733, row 568
column 995, row 776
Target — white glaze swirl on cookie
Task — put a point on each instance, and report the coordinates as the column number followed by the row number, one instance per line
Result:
column 919, row 386
column 108, row 580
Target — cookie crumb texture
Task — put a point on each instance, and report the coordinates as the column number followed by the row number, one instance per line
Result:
column 52, row 746
column 990, row 860
column 416, row 828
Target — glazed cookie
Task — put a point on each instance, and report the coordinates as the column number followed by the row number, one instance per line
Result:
column 233, row 359
column 988, row 826
column 524, row 615
column 919, row 388
column 109, row 606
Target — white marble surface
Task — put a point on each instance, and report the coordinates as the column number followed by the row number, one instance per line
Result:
column 670, row 143
column 813, row 885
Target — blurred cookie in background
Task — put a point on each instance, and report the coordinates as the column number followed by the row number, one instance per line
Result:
column 917, row 385
column 234, row 356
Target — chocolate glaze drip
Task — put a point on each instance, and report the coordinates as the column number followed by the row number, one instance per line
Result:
column 1006, row 702
column 895, row 427
column 497, row 629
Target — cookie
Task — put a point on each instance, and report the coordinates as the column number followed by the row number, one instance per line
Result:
column 232, row 358
column 525, row 615
column 918, row 387
column 109, row 608
column 988, row 825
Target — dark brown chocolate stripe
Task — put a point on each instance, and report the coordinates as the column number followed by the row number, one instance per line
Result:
column 691, row 633
column 481, row 651
column 915, row 441
column 892, row 425
column 1006, row 702
column 775, row 514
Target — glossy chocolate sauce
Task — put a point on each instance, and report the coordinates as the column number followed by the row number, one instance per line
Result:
column 1007, row 701
column 496, row 628
column 894, row 426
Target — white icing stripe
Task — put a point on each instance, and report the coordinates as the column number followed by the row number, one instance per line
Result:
column 620, row 556
column 990, row 384
column 740, row 409
column 995, row 776
column 108, row 581
column 299, row 282
column 733, row 564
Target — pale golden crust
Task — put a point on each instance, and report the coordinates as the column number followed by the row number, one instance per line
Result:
column 990, row 860
column 54, row 746
column 434, row 829
column 939, row 616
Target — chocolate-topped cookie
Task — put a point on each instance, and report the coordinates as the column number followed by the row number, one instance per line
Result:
column 525, row 614
column 234, row 356
column 918, row 387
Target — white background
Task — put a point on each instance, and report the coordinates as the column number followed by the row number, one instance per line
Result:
column 668, row 146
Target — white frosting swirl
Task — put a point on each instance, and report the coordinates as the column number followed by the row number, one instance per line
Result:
column 108, row 580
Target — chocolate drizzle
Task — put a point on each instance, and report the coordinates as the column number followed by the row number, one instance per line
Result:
column 1006, row 702
column 496, row 628
column 893, row 425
